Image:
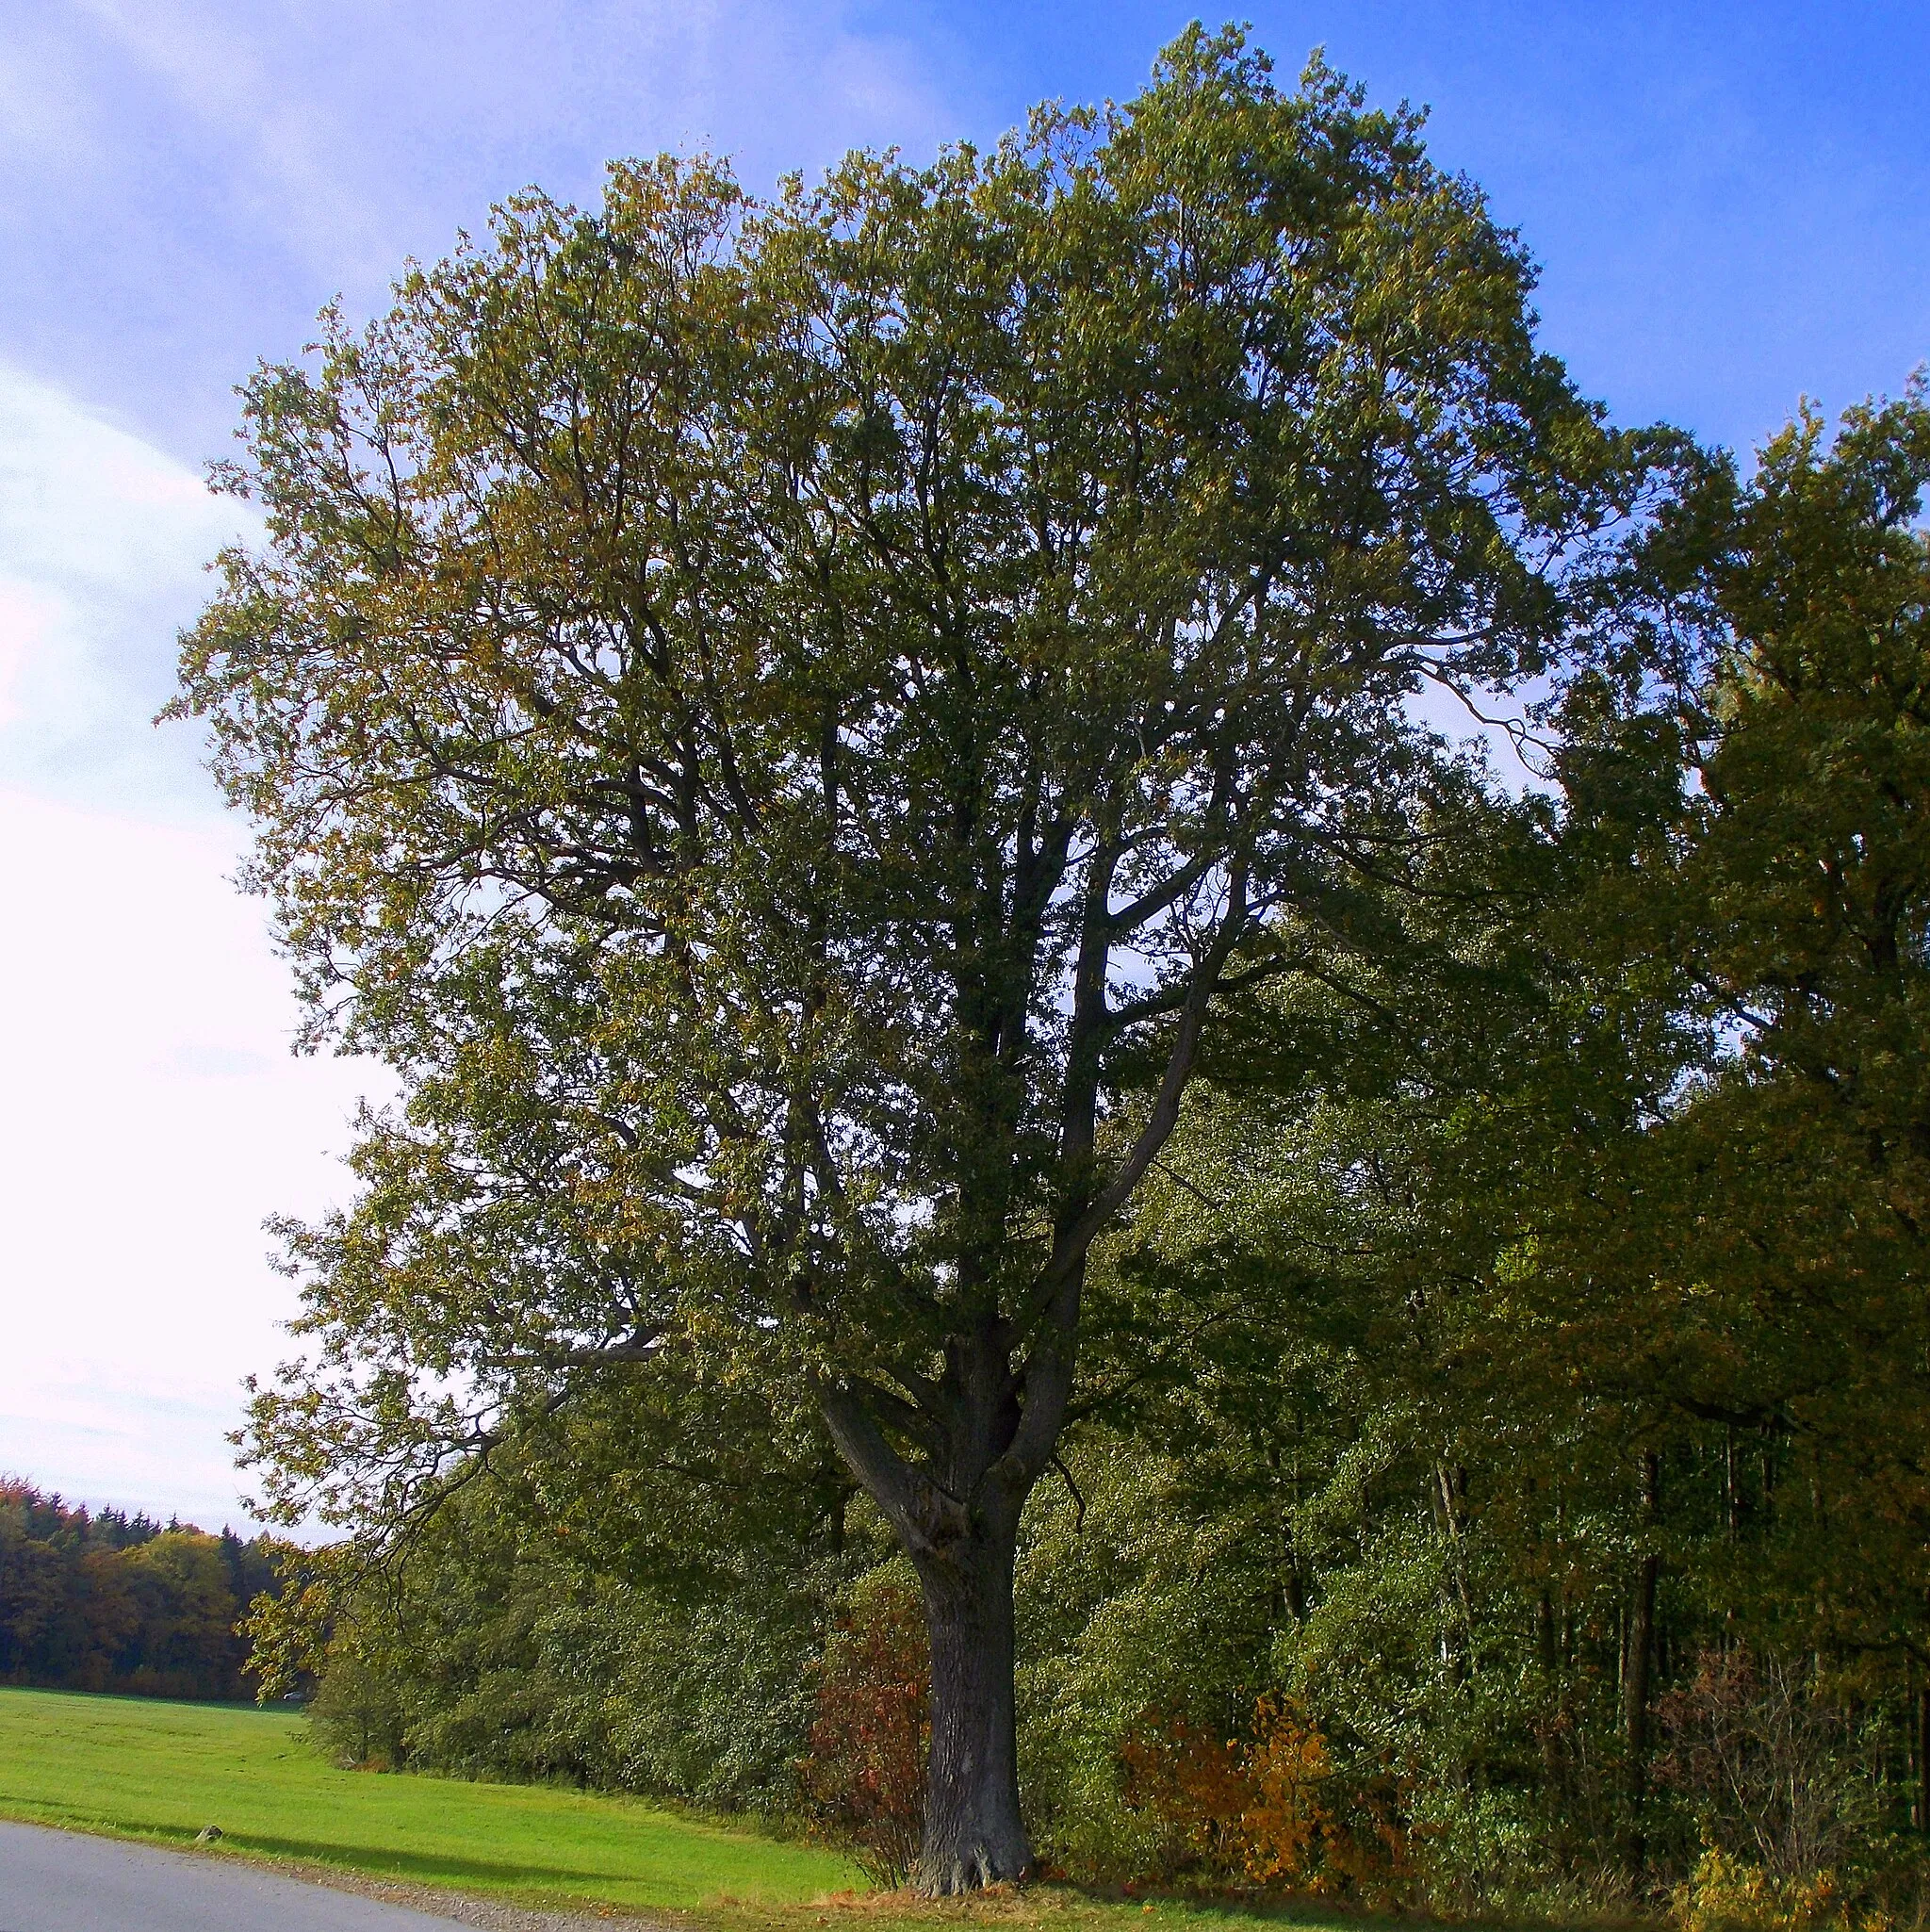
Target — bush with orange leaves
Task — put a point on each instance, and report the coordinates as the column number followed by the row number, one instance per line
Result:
column 1268, row 1809
column 864, row 1775
column 1193, row 1784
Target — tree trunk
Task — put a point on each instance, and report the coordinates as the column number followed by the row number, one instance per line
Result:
column 1922, row 1760
column 973, row 1834
column 989, row 1435
column 1635, row 1675
column 1638, row 1657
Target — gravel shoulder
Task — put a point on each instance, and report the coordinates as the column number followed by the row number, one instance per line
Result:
column 464, row 1908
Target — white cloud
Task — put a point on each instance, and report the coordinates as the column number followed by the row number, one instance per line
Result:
column 32, row 617
column 154, row 1115
column 189, row 181
column 154, row 1118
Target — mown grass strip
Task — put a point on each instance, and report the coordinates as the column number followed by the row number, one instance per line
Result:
column 161, row 1770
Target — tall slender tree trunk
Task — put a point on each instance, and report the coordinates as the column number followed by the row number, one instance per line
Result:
column 1635, row 1678
column 1553, row 1693
column 1638, row 1660
column 973, row 1833
column 1923, row 1743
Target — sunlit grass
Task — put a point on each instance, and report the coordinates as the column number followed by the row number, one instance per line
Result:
column 160, row 1771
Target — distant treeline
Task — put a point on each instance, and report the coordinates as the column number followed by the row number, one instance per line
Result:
column 104, row 1601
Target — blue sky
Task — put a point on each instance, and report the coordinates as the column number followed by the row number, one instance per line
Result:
column 1730, row 200
column 1731, row 203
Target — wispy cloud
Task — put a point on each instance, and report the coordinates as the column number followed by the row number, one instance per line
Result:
column 212, row 171
column 103, row 543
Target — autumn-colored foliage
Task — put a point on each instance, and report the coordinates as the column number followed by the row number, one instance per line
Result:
column 1193, row 1783
column 1774, row 1771
column 102, row 1601
column 1727, row 1894
column 866, row 1771
column 1267, row 1808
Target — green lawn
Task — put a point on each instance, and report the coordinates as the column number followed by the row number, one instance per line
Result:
column 149, row 1769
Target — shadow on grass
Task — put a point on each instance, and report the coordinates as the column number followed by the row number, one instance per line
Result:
column 385, row 1862
column 426, row 1868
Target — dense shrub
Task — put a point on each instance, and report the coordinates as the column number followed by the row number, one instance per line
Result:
column 864, row 1770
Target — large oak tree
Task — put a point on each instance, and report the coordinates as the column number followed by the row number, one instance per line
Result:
column 785, row 721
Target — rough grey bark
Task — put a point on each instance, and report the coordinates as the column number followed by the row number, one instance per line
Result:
column 974, row 1832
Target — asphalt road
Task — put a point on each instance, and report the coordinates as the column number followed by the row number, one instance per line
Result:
column 63, row 1881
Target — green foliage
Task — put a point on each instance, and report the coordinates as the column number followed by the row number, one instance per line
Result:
column 548, row 1675
column 858, row 753
column 535, row 1631
column 1515, row 1359
column 784, row 721
column 1574, row 1334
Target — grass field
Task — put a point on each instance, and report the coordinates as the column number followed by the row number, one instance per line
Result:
column 147, row 1768
column 141, row 1768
